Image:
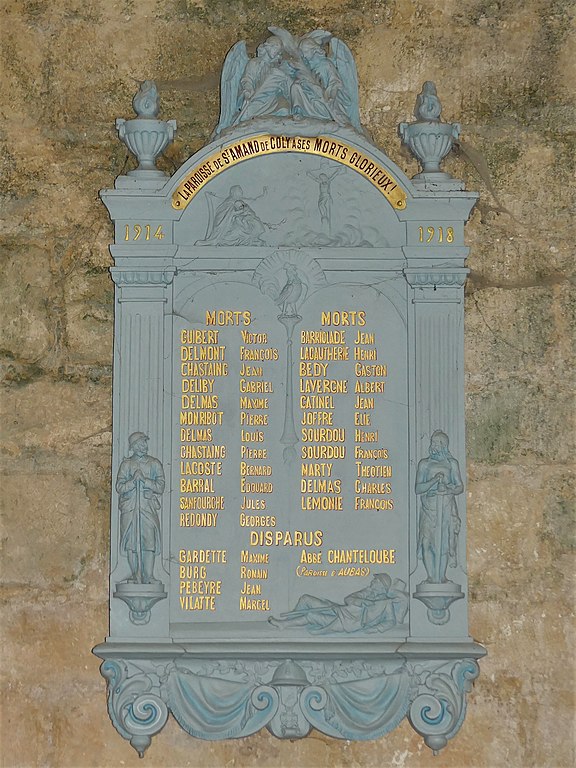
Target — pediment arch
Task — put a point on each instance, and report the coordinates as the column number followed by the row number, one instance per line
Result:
column 290, row 190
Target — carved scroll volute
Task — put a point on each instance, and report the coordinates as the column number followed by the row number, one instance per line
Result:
column 437, row 712
column 135, row 703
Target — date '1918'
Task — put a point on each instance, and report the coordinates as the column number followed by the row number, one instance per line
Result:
column 436, row 234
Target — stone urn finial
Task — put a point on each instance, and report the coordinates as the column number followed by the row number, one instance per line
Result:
column 429, row 139
column 146, row 136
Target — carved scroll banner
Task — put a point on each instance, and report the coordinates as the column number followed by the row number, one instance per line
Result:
column 238, row 151
column 288, row 538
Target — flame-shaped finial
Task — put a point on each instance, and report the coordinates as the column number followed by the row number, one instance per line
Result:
column 146, row 103
column 428, row 105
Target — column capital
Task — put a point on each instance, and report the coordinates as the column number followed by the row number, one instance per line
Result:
column 124, row 277
column 436, row 277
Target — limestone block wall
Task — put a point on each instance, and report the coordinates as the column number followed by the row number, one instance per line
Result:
column 504, row 69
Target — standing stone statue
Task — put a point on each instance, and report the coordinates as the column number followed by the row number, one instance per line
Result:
column 438, row 482
column 140, row 485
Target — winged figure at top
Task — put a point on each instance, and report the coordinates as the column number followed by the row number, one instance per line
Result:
column 313, row 76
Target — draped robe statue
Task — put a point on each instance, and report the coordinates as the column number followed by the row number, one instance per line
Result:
column 438, row 482
column 140, row 485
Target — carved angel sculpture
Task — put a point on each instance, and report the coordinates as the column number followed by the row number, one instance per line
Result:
column 331, row 71
column 290, row 76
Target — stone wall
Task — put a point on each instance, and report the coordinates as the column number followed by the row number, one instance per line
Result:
column 504, row 70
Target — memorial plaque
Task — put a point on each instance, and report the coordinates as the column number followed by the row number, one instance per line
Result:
column 288, row 516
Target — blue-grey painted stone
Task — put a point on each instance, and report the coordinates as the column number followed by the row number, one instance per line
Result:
column 288, row 537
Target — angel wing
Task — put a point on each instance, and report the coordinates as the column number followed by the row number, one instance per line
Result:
column 342, row 58
column 320, row 36
column 230, row 98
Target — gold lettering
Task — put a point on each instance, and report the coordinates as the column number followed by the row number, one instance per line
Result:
column 362, row 556
column 266, row 144
column 201, row 520
column 195, row 336
column 228, row 317
column 325, row 503
column 343, row 317
column 198, row 603
column 364, row 338
column 373, row 503
column 253, row 573
column 365, row 437
column 254, row 338
column 202, row 556
column 249, row 604
column 254, row 557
